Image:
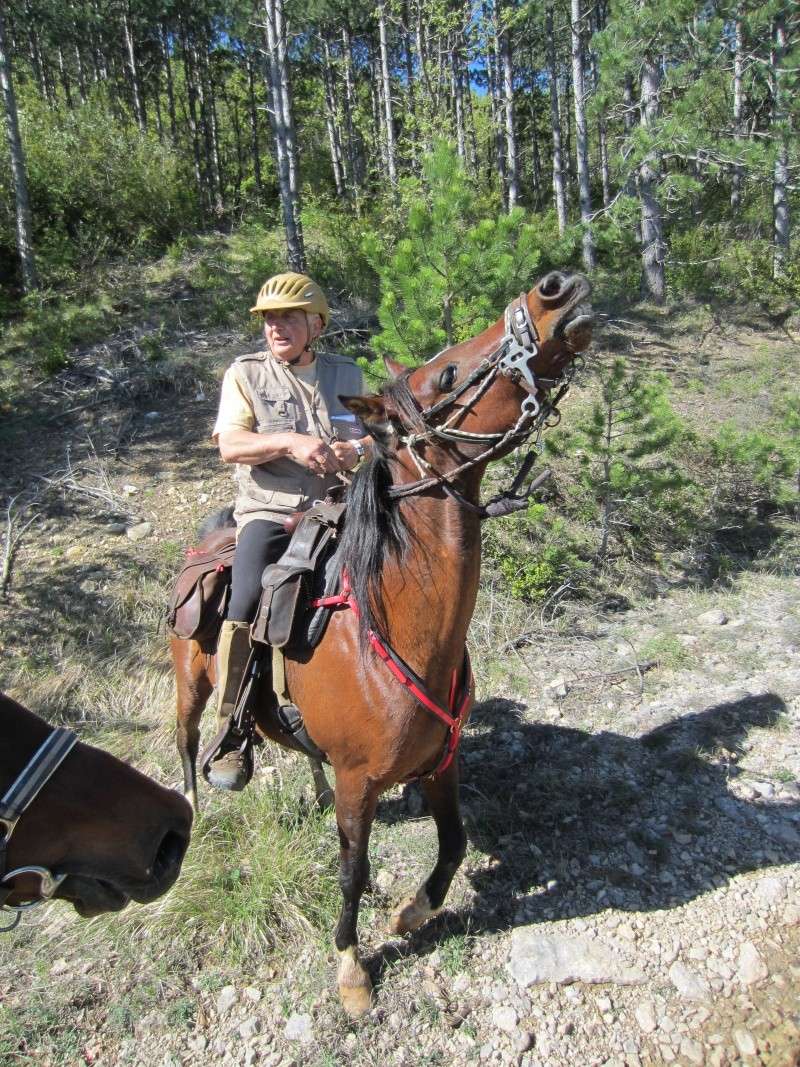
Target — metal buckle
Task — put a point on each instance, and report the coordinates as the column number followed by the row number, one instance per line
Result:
column 48, row 884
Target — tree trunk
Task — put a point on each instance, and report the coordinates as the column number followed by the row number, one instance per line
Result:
column 581, row 136
column 173, row 129
column 458, row 98
column 555, row 118
column 653, row 281
column 738, row 105
column 391, row 152
column 19, row 174
column 493, row 71
column 191, row 114
column 780, row 183
column 138, row 102
column 254, row 142
column 354, row 153
column 334, row 139
column 64, row 77
column 512, row 160
column 281, row 121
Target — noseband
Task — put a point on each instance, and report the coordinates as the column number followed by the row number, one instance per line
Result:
column 513, row 358
column 14, row 803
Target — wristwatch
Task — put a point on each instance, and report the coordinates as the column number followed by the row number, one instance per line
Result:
column 361, row 452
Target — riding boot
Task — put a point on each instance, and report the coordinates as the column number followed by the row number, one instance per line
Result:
column 228, row 762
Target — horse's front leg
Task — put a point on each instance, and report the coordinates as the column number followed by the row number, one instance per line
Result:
column 442, row 796
column 193, row 688
column 355, row 810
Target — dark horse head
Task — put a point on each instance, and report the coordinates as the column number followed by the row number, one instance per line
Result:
column 113, row 833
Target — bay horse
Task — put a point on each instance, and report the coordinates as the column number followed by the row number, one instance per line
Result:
column 387, row 691
column 78, row 824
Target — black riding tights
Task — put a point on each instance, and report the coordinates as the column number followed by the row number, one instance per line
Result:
column 260, row 542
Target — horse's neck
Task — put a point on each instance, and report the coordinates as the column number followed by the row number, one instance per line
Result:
column 430, row 595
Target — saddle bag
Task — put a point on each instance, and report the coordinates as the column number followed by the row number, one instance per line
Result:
column 289, row 584
column 199, row 597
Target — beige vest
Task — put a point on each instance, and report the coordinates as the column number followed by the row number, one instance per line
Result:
column 274, row 490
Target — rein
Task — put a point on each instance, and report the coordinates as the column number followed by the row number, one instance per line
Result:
column 14, row 803
column 512, row 358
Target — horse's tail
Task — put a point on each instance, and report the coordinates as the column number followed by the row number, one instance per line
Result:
column 219, row 520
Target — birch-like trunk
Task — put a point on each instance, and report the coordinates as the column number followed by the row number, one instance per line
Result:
column 334, row 138
column 391, row 151
column 136, row 90
column 354, row 153
column 458, row 98
column 653, row 281
column 581, row 135
column 19, row 174
column 512, row 158
column 282, row 129
column 255, row 147
column 173, row 127
column 780, row 181
column 493, row 70
column 738, row 104
column 559, row 191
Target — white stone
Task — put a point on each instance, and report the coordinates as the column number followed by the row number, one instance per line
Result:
column 249, row 1028
column 130, row 490
column 536, row 958
column 505, row 1018
column 253, row 994
column 751, row 967
column 299, row 1027
column 226, row 999
column 743, row 1040
column 714, row 617
column 558, row 687
column 689, row 985
column 139, row 531
column 692, row 1051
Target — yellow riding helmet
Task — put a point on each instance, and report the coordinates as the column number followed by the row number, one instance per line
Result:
column 291, row 290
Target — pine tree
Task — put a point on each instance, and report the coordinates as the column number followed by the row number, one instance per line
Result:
column 626, row 470
column 453, row 271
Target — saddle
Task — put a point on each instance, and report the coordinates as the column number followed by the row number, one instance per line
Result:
column 199, row 597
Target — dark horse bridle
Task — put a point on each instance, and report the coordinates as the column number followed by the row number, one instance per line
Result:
column 512, row 358
column 14, row 803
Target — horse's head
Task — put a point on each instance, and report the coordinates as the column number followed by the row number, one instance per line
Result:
column 482, row 387
column 104, row 831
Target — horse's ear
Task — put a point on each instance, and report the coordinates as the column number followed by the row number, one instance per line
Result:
column 394, row 368
column 372, row 412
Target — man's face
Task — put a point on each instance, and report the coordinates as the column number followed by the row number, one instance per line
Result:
column 289, row 331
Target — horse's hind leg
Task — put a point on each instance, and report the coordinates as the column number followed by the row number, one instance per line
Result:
column 442, row 796
column 355, row 810
column 194, row 687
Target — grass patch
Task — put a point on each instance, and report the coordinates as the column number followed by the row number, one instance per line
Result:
column 667, row 651
column 258, row 879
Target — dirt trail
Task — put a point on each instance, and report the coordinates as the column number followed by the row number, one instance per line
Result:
column 630, row 894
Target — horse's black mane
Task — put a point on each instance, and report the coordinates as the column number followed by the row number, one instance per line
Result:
column 375, row 530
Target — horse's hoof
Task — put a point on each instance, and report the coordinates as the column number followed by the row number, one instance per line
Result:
column 356, row 1000
column 411, row 913
column 355, row 988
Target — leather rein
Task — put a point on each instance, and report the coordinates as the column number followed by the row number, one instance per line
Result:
column 512, row 358
column 14, row 803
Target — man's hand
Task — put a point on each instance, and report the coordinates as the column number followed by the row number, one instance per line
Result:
column 346, row 455
column 313, row 453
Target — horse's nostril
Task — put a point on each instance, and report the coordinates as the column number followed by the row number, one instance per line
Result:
column 552, row 283
column 170, row 854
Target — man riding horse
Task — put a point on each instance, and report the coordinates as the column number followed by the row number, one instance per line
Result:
column 277, row 414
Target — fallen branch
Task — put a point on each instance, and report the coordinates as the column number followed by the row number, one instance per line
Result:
column 12, row 541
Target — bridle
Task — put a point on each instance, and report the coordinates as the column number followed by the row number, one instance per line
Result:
column 513, row 358
column 14, row 803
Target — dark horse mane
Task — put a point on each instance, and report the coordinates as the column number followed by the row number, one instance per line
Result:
column 375, row 530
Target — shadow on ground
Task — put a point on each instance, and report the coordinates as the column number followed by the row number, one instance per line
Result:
column 577, row 822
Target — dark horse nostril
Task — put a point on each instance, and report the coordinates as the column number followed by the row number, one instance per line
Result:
column 170, row 854
column 552, row 283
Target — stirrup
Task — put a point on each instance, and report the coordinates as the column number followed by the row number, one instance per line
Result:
column 231, row 752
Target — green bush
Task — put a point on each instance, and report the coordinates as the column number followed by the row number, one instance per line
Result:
column 97, row 186
column 535, row 553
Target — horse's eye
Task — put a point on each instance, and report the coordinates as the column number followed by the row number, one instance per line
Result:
column 447, row 378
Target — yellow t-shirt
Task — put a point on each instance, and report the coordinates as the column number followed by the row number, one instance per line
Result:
column 235, row 407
